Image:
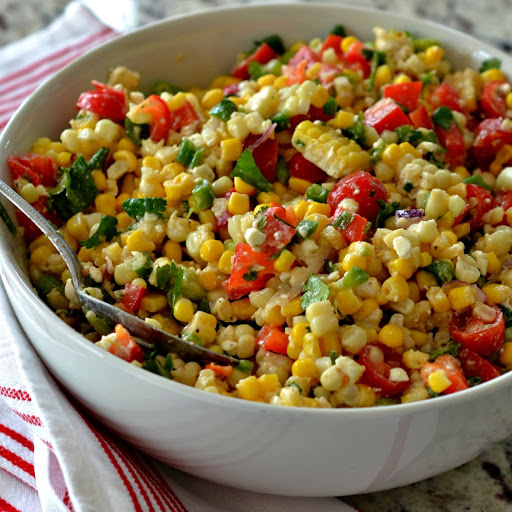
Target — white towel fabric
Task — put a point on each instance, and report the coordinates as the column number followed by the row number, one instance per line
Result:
column 53, row 456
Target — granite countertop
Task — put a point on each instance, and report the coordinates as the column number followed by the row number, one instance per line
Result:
column 485, row 483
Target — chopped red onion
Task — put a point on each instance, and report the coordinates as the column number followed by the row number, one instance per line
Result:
column 404, row 218
column 266, row 134
column 480, row 295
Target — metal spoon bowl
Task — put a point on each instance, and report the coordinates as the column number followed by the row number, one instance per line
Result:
column 145, row 334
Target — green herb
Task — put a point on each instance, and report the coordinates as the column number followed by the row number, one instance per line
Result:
column 299, row 143
column 338, row 30
column 474, row 381
column 282, row 172
column 407, row 133
column 386, row 210
column 343, row 220
column 376, row 152
column 192, row 338
column 273, row 67
column 378, row 58
column 223, row 109
column 356, row 131
column 7, row 220
column 317, row 193
column 99, row 158
column 203, row 196
column 451, row 348
column 101, row 325
column 245, row 366
column 143, row 265
column 75, row 190
column 420, row 45
column 46, row 283
column 315, row 290
column 306, row 228
column 408, row 186
column 262, row 222
column 136, row 132
column 255, row 70
column 163, row 275
column 333, row 355
column 330, row 106
column 507, row 313
column 229, row 245
column 477, row 179
column 425, row 200
column 106, row 231
column 355, row 277
column 162, row 86
column 443, row 117
column 250, row 275
column 432, row 393
column 282, row 119
column 274, row 41
column 204, row 305
column 330, row 267
column 428, row 78
column 493, row 63
column 442, row 270
column 247, row 169
column 174, row 293
column 159, row 365
column 136, row 208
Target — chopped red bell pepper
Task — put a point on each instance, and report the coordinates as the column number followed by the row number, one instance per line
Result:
column 157, row 108
column 332, row 41
column 453, row 141
column 493, row 102
column 278, row 234
column 356, row 59
column 490, row 136
column 104, row 101
column 446, row 95
column 125, row 346
column 132, row 297
column 420, row 118
column 221, row 371
column 38, row 169
column 263, row 54
column 355, row 230
column 183, row 116
column 386, row 114
column 273, row 339
column 265, row 155
column 406, row 94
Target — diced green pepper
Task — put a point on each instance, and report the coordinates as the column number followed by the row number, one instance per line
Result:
column 317, row 193
column 355, row 277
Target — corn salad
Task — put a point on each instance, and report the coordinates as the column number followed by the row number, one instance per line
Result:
column 336, row 214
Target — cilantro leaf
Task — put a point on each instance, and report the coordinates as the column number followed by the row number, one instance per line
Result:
column 356, row 131
column 315, row 290
column 493, row 63
column 386, row 211
column 442, row 270
column 163, row 275
column 306, row 228
column 443, row 117
column 250, row 275
column 477, row 179
column 136, row 132
column 106, row 231
column 138, row 207
column 451, row 348
column 174, row 293
column 247, row 169
column 507, row 313
column 223, row 109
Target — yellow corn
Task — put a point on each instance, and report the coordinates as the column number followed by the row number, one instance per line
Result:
column 304, row 367
column 348, row 302
column 243, row 309
column 128, row 158
column 425, row 259
column 123, row 220
column 383, row 76
column 292, row 308
column 425, row 280
column 242, row 187
column 419, row 338
column 301, row 208
column 414, row 291
column 438, row 381
column 401, row 79
column 249, row 388
column 100, row 180
column 208, row 278
column 211, row 250
column 342, row 120
column 401, row 267
column 322, row 208
column 212, row 97
column 296, row 343
column 493, row 263
column 433, row 55
column 462, row 297
column 311, row 346
column 438, row 299
column 268, row 197
column 231, row 149
column 393, row 153
column 395, row 289
column 267, row 79
column 347, row 43
column 274, row 317
column 77, row 227
column 238, row 204
column 325, row 147
column 105, row 204
column 225, row 262
column 138, row 241
column 492, row 74
column 153, row 302
column 496, row 293
column 391, row 335
column 368, row 307
column 505, row 357
column 183, row 310
column 284, row 261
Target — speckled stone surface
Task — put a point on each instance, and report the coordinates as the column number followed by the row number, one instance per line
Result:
column 485, row 483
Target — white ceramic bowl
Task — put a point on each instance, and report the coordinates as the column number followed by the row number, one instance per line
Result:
column 249, row 445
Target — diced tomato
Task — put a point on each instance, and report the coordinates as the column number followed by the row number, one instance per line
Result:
column 452, row 370
column 480, row 202
column 328, row 73
column 378, row 360
column 475, row 366
column 263, row 54
column 363, row 188
column 504, row 199
column 453, row 141
column 132, row 297
column 273, row 339
column 493, row 101
column 475, row 334
column 420, row 118
column 38, row 169
column 386, row 114
column 125, row 346
column 356, row 230
column 446, row 95
column 157, row 108
column 297, row 74
column 355, row 56
column 301, row 168
column 250, row 272
column 221, row 371
column 31, row 230
column 332, row 41
column 304, row 53
column 231, row 89
column 182, row 116
column 104, row 101
column 490, row 136
column 278, row 234
column 265, row 155
column 406, row 94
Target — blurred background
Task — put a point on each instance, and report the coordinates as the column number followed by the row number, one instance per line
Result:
column 488, row 20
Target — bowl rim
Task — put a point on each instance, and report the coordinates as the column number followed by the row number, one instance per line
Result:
column 422, row 406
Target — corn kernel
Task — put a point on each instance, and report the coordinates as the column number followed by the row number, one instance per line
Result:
column 183, row 310
column 238, row 204
column 300, row 209
column 383, row 75
column 493, row 263
column 311, row 346
column 281, row 82
column 425, row 280
column 505, row 357
column 433, row 55
column 41, row 255
column 401, row 267
column 297, row 340
column 305, row 367
column 342, row 120
column 321, row 95
column 268, row 197
column 391, row 335
column 438, row 381
column 231, row 149
column 211, row 98
column 321, row 208
column 352, row 260
column 211, row 250
column 243, row 309
column 268, row 382
column 292, row 308
column 267, row 79
column 284, row 261
column 207, row 217
column 368, row 307
column 139, row 241
column 401, row 79
column 348, row 302
column 299, row 185
column 508, row 100
column 29, row 193
column 249, row 388
column 347, row 43
column 395, row 289
column 123, row 220
column 154, row 302
column 105, row 204
column 242, row 187
column 208, row 279
column 274, row 317
column 462, row 297
column 496, row 293
column 492, row 74
column 225, row 262
column 77, row 227
column 100, row 180
column 128, row 158
column 425, row 259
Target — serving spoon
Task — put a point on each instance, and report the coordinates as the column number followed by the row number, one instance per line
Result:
column 145, row 334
